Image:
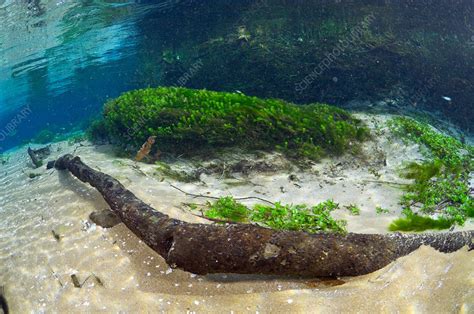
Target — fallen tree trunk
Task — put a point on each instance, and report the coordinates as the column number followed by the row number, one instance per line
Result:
column 250, row 249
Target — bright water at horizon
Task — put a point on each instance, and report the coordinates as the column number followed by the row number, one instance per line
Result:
column 62, row 59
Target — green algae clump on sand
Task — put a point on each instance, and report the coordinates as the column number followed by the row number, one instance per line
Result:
column 187, row 121
column 440, row 195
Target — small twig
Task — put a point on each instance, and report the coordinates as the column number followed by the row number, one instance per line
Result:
column 56, row 275
column 136, row 167
column 191, row 194
column 76, row 282
column 216, row 198
column 385, row 182
column 223, row 170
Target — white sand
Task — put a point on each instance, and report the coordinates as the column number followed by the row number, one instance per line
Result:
column 36, row 269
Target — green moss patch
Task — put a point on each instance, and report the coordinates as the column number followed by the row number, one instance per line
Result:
column 187, row 121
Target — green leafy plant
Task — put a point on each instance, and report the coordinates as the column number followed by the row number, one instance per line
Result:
column 440, row 183
column 422, row 172
column 97, row 131
column 187, row 121
column 227, row 208
column 278, row 216
column 354, row 209
column 380, row 210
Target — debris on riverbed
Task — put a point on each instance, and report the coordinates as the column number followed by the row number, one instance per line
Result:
column 56, row 236
column 38, row 155
column 78, row 284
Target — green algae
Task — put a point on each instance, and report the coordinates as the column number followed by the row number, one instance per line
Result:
column 278, row 216
column 440, row 184
column 187, row 121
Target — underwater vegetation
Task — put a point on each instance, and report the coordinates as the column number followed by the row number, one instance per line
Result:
column 44, row 137
column 47, row 136
column 187, row 121
column 405, row 50
column 278, row 216
column 353, row 209
column 381, row 210
column 413, row 222
column 441, row 182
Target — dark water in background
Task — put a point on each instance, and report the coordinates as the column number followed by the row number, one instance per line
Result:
column 62, row 59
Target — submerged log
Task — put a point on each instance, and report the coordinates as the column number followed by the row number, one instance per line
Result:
column 250, row 249
column 3, row 301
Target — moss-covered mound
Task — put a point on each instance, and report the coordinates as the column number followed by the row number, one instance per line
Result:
column 190, row 121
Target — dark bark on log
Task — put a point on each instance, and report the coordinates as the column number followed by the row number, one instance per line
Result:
column 3, row 301
column 249, row 249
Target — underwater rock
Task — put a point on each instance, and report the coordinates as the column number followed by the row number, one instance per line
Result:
column 105, row 218
column 243, row 248
column 38, row 155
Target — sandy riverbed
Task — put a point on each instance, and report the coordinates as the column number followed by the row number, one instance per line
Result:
column 35, row 268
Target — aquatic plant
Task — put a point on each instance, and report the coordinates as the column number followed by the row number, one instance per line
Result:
column 44, row 137
column 413, row 222
column 227, row 208
column 354, row 209
column 380, row 210
column 188, row 121
column 421, row 172
column 97, row 131
column 278, row 216
column 440, row 184
column 450, row 151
